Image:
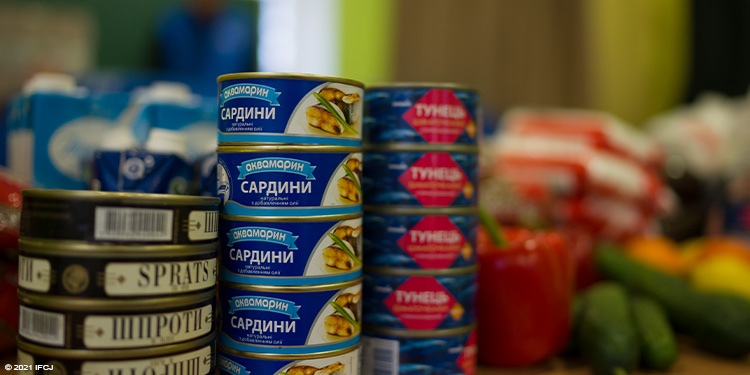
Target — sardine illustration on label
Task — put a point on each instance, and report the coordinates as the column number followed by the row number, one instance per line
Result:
column 290, row 320
column 289, row 108
column 293, row 251
column 289, row 181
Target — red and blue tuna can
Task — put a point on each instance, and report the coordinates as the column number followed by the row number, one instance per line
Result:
column 289, row 180
column 392, row 352
column 420, row 238
column 420, row 177
column 444, row 114
column 291, row 251
column 419, row 300
column 289, row 109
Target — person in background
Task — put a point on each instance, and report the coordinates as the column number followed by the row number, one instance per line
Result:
column 202, row 39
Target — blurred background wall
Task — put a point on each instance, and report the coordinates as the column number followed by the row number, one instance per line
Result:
column 633, row 59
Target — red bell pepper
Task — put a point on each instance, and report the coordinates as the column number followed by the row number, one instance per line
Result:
column 525, row 290
column 581, row 244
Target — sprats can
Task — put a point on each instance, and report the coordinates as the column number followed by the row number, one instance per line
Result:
column 196, row 357
column 450, row 351
column 113, row 217
column 420, row 238
column 418, row 300
column 303, row 250
column 289, row 109
column 338, row 362
column 440, row 113
column 289, row 180
column 77, row 323
column 421, row 177
column 290, row 320
column 78, row 269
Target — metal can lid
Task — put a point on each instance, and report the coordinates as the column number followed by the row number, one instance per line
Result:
column 139, row 305
column 420, row 211
column 393, row 271
column 291, row 76
column 115, row 354
column 291, row 219
column 421, row 85
column 288, row 357
column 98, row 250
column 421, row 147
column 282, row 147
column 293, row 289
column 418, row 334
column 167, row 200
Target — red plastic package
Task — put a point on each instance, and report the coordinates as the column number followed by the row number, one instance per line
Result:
column 569, row 169
column 595, row 129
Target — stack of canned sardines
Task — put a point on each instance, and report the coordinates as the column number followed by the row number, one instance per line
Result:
column 420, row 223
column 117, row 283
column 289, row 171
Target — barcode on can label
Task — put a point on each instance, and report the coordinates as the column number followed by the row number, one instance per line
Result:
column 203, row 225
column 379, row 356
column 41, row 326
column 34, row 274
column 133, row 224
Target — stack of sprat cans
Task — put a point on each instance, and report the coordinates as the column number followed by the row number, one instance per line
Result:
column 117, row 283
column 290, row 226
column 420, row 223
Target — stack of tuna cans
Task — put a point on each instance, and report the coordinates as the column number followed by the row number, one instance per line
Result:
column 289, row 170
column 115, row 283
column 420, row 222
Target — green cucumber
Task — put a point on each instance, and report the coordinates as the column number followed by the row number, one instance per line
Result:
column 576, row 311
column 657, row 339
column 720, row 323
column 607, row 335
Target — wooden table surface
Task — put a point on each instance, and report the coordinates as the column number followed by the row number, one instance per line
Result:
column 691, row 361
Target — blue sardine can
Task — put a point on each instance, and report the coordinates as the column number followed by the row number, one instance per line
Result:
column 290, row 320
column 267, row 180
column 291, row 251
column 449, row 351
column 420, row 177
column 339, row 362
column 420, row 238
column 419, row 300
column 422, row 113
column 289, row 108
